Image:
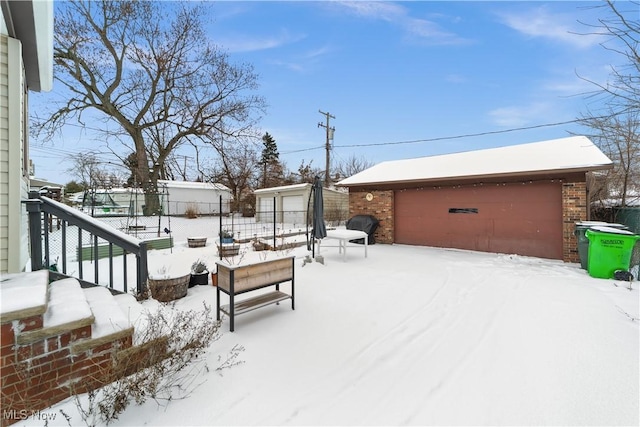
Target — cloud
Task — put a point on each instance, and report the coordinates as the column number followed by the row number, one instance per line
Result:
column 542, row 23
column 424, row 30
column 244, row 43
column 456, row 78
column 517, row 116
column 302, row 62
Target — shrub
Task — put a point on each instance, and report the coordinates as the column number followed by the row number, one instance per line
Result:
column 191, row 211
column 167, row 367
column 199, row 267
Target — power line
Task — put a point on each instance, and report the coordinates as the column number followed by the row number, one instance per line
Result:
column 468, row 135
column 304, row 149
column 442, row 138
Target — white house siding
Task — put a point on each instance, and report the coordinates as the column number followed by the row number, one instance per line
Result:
column 14, row 181
column 204, row 197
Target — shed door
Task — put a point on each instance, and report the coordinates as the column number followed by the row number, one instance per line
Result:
column 292, row 210
column 523, row 219
column 265, row 209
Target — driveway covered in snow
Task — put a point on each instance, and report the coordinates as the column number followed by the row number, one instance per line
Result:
column 423, row 336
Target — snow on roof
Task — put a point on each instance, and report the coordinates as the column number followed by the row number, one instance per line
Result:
column 194, row 185
column 575, row 153
column 292, row 187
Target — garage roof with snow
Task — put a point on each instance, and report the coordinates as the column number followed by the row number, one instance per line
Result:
column 572, row 154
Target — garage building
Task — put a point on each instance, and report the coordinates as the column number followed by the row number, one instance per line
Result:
column 521, row 199
column 291, row 204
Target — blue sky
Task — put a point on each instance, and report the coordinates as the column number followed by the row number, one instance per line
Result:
column 404, row 71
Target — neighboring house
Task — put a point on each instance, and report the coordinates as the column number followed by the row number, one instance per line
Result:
column 291, row 204
column 26, row 64
column 176, row 197
column 203, row 197
column 36, row 184
column 522, row 199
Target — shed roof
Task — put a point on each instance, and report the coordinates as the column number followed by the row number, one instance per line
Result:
column 572, row 154
column 194, row 185
column 283, row 188
column 293, row 187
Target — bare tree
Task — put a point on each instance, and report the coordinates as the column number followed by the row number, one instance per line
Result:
column 618, row 135
column 149, row 68
column 306, row 172
column 351, row 166
column 93, row 173
column 237, row 168
column 617, row 128
column 622, row 31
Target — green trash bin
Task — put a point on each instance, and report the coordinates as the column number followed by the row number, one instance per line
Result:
column 609, row 250
column 583, row 242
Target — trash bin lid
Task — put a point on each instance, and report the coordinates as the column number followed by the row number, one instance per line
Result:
column 591, row 223
column 599, row 223
column 607, row 229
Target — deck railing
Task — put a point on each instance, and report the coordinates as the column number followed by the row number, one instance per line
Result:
column 44, row 212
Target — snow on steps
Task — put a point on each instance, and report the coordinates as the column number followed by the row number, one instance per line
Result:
column 66, row 309
column 110, row 323
column 64, row 306
column 23, row 295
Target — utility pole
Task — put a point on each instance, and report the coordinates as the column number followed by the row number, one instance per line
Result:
column 330, row 130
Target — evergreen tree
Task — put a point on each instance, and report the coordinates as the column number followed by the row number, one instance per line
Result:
column 269, row 160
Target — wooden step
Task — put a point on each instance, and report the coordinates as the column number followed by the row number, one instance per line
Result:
column 67, row 309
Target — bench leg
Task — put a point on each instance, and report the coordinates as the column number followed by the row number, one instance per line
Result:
column 231, row 312
column 217, row 303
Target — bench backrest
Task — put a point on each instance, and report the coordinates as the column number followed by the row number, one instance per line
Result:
column 255, row 276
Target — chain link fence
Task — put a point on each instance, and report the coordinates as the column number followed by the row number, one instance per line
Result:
column 268, row 229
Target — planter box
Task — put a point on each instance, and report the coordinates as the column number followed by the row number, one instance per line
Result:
column 199, row 279
column 86, row 252
column 197, row 242
column 228, row 250
column 166, row 290
column 236, row 280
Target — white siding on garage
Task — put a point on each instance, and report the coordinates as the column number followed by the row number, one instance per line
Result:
column 203, row 197
column 293, row 210
column 265, row 209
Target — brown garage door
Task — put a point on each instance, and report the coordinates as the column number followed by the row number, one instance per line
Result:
column 524, row 219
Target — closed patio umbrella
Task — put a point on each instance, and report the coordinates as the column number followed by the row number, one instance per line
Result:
column 318, row 231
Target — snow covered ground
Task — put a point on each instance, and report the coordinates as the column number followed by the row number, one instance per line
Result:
column 416, row 336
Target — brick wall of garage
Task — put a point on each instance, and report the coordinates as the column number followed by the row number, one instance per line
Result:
column 380, row 207
column 574, row 209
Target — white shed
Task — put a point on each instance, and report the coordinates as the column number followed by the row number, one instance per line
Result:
column 203, row 197
column 291, row 203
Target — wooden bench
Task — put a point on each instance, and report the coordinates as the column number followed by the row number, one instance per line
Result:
column 236, row 280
